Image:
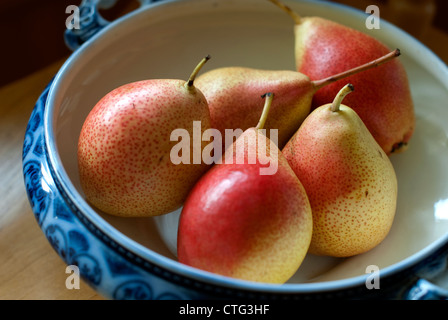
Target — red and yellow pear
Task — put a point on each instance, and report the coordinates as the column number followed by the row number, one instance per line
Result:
column 324, row 47
column 248, row 220
column 349, row 180
column 124, row 147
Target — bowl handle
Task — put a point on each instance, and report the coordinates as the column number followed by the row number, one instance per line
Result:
column 426, row 290
column 432, row 272
column 87, row 21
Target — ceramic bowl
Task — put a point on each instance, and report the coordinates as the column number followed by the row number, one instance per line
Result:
column 127, row 258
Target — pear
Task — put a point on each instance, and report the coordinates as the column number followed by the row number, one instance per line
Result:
column 324, row 47
column 232, row 93
column 124, row 146
column 242, row 222
column 349, row 180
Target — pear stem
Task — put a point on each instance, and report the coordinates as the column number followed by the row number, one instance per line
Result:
column 294, row 15
column 267, row 105
column 369, row 65
column 340, row 96
column 189, row 83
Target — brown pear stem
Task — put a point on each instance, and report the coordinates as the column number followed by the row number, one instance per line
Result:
column 369, row 65
column 340, row 96
column 189, row 83
column 294, row 15
column 267, row 105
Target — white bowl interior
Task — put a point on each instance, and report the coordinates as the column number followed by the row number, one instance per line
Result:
column 168, row 40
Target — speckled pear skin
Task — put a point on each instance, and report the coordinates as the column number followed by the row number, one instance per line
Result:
column 349, row 180
column 382, row 98
column 124, row 148
column 233, row 95
column 244, row 225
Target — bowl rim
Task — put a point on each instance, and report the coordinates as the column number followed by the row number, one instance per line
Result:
column 94, row 220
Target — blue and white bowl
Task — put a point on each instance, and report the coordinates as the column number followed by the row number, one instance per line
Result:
column 134, row 258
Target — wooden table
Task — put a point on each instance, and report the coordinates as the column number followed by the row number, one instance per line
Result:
column 29, row 267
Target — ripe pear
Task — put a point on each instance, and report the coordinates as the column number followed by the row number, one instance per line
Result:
column 124, row 146
column 232, row 94
column 349, row 180
column 324, row 47
column 242, row 223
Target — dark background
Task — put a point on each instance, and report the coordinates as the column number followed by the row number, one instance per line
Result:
column 32, row 31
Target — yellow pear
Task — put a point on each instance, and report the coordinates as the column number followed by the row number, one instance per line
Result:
column 349, row 180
